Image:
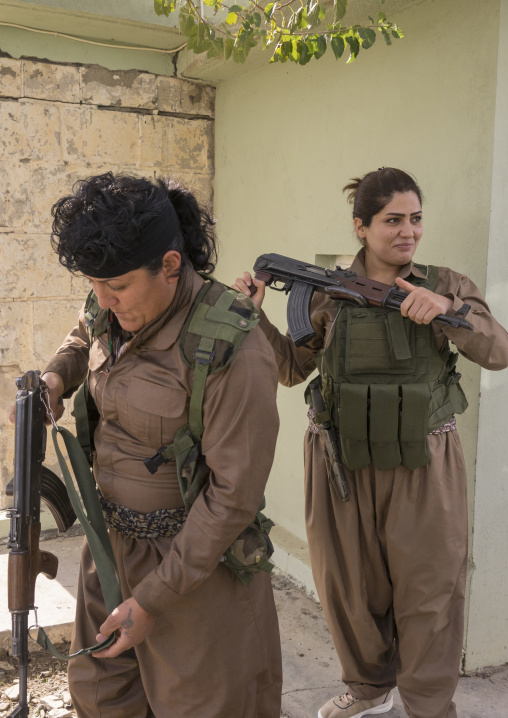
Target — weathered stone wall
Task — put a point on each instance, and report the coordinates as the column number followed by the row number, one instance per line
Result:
column 58, row 124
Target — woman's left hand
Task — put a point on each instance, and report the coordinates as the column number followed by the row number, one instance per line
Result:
column 422, row 305
column 133, row 624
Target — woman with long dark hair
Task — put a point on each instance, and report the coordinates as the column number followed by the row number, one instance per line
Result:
column 390, row 563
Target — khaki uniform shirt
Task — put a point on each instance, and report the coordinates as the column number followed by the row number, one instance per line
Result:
column 143, row 399
column 486, row 344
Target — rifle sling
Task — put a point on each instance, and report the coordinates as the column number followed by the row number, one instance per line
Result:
column 89, row 513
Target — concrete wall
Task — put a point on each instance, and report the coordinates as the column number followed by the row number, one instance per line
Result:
column 60, row 123
column 98, row 33
column 487, row 640
column 288, row 139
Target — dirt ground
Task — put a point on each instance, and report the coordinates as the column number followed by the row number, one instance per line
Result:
column 47, row 685
column 48, row 693
column 311, row 670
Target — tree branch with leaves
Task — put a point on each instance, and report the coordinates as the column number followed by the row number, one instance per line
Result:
column 291, row 30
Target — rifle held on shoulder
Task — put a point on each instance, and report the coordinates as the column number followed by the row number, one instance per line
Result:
column 301, row 280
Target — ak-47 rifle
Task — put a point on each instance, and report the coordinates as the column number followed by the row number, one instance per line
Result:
column 301, row 280
column 32, row 481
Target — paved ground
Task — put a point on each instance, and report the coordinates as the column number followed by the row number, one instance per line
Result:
column 311, row 668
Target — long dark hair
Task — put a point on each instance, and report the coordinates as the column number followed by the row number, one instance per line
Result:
column 103, row 220
column 370, row 193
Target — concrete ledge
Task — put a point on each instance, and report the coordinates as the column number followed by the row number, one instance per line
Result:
column 55, row 599
column 291, row 557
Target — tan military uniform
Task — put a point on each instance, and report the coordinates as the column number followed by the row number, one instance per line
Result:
column 390, row 565
column 214, row 650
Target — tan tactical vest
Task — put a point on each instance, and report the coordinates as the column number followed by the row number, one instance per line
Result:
column 386, row 386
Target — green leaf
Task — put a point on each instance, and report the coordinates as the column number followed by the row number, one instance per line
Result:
column 159, row 7
column 210, row 3
column 381, row 17
column 338, row 45
column 339, row 9
column 228, row 47
column 269, row 9
column 186, row 22
column 256, row 19
column 286, row 48
column 397, row 33
column 386, row 36
column 236, row 8
column 306, row 53
column 232, row 18
column 368, row 37
column 216, row 48
column 320, row 46
column 354, row 46
column 315, row 14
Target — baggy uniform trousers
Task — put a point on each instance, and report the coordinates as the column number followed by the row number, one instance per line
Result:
column 215, row 654
column 390, row 571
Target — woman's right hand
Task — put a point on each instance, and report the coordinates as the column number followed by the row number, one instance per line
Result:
column 252, row 287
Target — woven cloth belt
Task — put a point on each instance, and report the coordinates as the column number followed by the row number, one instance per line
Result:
column 449, row 426
column 156, row 524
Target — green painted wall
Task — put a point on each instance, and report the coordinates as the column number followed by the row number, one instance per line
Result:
column 117, row 22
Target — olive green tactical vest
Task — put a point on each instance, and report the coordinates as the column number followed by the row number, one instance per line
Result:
column 386, row 386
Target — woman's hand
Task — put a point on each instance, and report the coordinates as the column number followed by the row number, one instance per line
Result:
column 56, row 389
column 252, row 287
column 422, row 305
column 133, row 623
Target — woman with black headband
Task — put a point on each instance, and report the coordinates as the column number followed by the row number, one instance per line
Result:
column 390, row 562
column 192, row 639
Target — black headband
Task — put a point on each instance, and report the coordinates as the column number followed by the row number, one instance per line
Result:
column 154, row 240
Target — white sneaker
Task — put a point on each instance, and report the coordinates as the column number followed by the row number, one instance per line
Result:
column 346, row 706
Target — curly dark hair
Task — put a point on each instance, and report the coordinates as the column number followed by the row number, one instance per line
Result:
column 102, row 222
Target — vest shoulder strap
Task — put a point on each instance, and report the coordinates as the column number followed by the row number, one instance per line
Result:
column 96, row 319
column 431, row 276
column 215, row 329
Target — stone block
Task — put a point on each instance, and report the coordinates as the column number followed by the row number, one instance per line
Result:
column 189, row 145
column 80, row 287
column 200, row 185
column 8, row 392
column 30, row 268
column 15, row 197
column 29, row 130
column 52, row 321
column 118, row 88
column 151, row 140
column 176, row 143
column 6, row 438
column 97, row 137
column 15, row 334
column 49, row 182
column 10, row 77
column 46, row 81
column 181, row 96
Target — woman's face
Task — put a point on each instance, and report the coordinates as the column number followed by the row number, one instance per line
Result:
column 394, row 233
column 137, row 297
